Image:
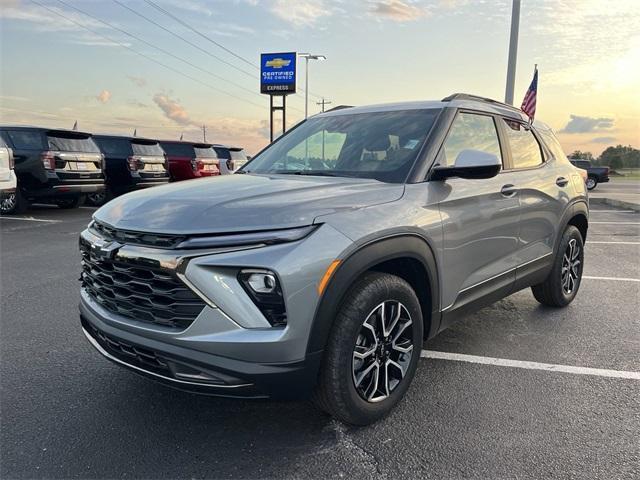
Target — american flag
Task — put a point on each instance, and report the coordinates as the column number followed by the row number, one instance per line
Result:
column 529, row 102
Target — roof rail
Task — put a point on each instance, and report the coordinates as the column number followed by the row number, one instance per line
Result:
column 477, row 98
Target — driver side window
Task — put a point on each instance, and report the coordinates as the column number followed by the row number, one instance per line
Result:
column 469, row 131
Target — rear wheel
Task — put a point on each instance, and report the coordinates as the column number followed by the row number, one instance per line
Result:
column 373, row 350
column 562, row 284
column 591, row 183
column 13, row 203
column 71, row 202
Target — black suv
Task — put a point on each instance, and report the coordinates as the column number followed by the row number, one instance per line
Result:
column 131, row 163
column 53, row 166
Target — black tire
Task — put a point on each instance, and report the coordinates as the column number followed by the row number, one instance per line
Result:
column 13, row 204
column 69, row 203
column 336, row 392
column 553, row 292
column 592, row 182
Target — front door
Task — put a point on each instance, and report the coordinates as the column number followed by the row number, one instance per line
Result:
column 480, row 219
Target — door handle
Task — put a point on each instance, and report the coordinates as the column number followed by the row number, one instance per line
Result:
column 561, row 181
column 508, row 190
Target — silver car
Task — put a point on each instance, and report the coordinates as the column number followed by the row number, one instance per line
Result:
column 322, row 265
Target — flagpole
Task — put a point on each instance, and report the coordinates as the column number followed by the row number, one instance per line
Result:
column 513, row 52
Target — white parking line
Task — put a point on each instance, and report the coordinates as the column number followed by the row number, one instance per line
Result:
column 613, row 243
column 619, row 279
column 615, row 223
column 30, row 219
column 550, row 367
column 612, row 211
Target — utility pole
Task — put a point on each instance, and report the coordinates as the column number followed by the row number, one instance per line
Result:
column 204, row 133
column 513, row 52
column 323, row 103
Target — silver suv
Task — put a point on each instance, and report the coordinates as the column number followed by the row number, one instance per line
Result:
column 321, row 267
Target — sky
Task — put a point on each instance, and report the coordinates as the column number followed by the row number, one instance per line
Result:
column 167, row 67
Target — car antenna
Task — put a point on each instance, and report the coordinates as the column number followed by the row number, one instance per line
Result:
column 75, row 125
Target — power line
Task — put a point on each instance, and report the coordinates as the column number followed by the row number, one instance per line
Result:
column 239, row 57
column 209, row 39
column 185, row 40
column 193, row 65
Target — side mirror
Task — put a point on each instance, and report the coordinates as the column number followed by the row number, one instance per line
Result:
column 470, row 164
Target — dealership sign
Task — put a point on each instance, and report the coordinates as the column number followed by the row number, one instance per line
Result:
column 278, row 73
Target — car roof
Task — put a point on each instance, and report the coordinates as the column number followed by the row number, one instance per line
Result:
column 125, row 137
column 43, row 129
column 458, row 100
column 188, row 142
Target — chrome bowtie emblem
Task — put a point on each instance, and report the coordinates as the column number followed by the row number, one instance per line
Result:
column 105, row 249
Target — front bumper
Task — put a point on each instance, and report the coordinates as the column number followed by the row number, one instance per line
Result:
column 199, row 372
column 229, row 349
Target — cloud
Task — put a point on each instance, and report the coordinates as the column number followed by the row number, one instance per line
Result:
column 397, row 10
column 104, row 96
column 578, row 124
column 604, row 140
column 172, row 109
column 139, row 81
column 301, row 13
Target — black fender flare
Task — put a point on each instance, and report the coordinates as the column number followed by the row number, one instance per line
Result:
column 578, row 207
column 358, row 261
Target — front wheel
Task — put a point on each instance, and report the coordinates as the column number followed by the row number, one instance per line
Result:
column 373, row 350
column 562, row 284
column 591, row 183
column 68, row 203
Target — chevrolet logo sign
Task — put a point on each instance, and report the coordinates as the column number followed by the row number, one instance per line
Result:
column 105, row 249
column 278, row 63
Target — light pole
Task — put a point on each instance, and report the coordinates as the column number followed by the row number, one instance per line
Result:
column 307, row 57
column 513, row 52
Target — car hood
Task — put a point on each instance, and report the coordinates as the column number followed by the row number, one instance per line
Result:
column 237, row 203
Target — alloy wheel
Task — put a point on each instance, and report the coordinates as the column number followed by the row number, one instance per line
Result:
column 383, row 351
column 8, row 204
column 571, row 267
column 591, row 183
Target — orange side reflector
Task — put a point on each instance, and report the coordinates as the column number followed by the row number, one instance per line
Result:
column 327, row 276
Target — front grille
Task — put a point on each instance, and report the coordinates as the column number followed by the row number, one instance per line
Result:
column 139, row 292
column 140, row 238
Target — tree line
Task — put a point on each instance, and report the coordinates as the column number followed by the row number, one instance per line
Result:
column 619, row 156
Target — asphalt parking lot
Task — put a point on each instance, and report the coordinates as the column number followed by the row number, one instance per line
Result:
column 68, row 413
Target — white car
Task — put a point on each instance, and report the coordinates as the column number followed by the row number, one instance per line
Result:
column 231, row 158
column 8, row 182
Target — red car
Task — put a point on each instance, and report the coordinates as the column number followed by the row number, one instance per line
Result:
column 190, row 159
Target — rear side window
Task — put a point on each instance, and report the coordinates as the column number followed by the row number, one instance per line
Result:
column 116, row 147
column 554, row 145
column 525, row 150
column 585, row 165
column 178, row 149
column 222, row 152
column 2, row 144
column 146, row 148
column 70, row 143
column 469, row 131
column 26, row 140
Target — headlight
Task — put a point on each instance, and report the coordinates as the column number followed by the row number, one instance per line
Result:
column 264, row 289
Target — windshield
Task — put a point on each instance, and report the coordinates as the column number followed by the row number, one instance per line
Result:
column 380, row 145
column 84, row 144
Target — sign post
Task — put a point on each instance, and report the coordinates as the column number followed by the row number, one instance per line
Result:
column 278, row 79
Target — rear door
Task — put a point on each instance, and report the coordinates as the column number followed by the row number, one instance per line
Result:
column 480, row 218
column 207, row 161
column 150, row 157
column 545, row 191
column 77, row 157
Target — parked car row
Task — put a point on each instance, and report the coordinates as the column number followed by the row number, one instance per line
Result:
column 67, row 167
